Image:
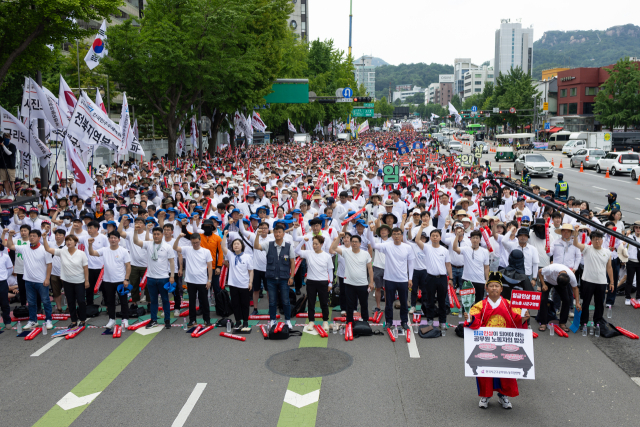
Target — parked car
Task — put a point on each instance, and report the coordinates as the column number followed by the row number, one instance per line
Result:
column 537, row 164
column 454, row 146
column 587, row 156
column 618, row 162
column 635, row 173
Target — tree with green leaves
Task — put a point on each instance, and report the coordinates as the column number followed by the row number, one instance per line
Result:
column 455, row 101
column 185, row 54
column 513, row 89
column 618, row 101
column 28, row 26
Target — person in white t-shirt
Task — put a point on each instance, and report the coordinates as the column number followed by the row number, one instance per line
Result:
column 160, row 260
column 240, row 279
column 6, row 267
column 197, row 275
column 117, row 269
column 74, row 273
column 37, row 267
column 95, row 264
column 357, row 263
column 138, row 257
column 476, row 262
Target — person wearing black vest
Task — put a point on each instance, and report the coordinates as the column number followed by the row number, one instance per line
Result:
column 281, row 267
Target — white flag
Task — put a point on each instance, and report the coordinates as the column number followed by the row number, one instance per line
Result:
column 292, row 128
column 238, row 124
column 452, row 109
column 135, row 129
column 130, row 142
column 194, row 133
column 97, row 50
column 24, row 139
column 92, row 127
column 434, row 116
column 364, row 127
column 257, row 123
column 180, row 143
column 31, row 105
column 100, row 102
column 50, row 108
column 248, row 128
column 66, row 99
column 84, row 182
column 25, row 165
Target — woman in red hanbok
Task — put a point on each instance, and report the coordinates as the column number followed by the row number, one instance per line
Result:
column 495, row 312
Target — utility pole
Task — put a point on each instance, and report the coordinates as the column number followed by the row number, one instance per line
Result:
column 44, row 170
column 350, row 22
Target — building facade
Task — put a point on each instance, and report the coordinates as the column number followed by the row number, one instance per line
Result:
column 475, row 81
column 430, row 93
column 513, row 47
column 299, row 19
column 402, row 95
column 365, row 74
column 577, row 90
column 461, row 66
column 551, row 72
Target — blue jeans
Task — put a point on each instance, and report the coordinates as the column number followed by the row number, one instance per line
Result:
column 273, row 286
column 403, row 292
column 155, row 286
column 33, row 290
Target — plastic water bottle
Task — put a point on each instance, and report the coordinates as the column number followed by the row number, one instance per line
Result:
column 415, row 328
column 19, row 327
column 444, row 330
column 395, row 331
column 551, row 331
column 228, row 326
column 184, row 324
column 597, row 331
column 609, row 312
column 584, row 330
column 335, row 327
column 44, row 328
column 592, row 330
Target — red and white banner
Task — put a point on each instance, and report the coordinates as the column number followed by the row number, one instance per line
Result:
column 525, row 299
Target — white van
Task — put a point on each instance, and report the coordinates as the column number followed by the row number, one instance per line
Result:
column 558, row 140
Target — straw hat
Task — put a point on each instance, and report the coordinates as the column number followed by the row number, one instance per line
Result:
column 564, row 227
column 623, row 253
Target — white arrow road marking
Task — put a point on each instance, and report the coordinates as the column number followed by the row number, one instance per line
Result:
column 70, row 400
column 189, row 405
column 301, row 400
column 145, row 331
column 46, row 347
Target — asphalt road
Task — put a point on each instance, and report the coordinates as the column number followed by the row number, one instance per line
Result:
column 580, row 380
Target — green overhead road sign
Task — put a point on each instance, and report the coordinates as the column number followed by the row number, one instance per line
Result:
column 288, row 93
column 362, row 112
column 368, row 105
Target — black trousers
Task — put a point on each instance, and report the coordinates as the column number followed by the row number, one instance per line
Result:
column 177, row 293
column 419, row 282
column 633, row 270
column 563, row 293
column 22, row 290
column 320, row 288
column 597, row 292
column 240, row 298
column 94, row 273
column 200, row 291
column 479, row 291
column 4, row 302
column 302, row 270
column 343, row 294
column 75, row 296
column 111, row 295
column 436, row 290
column 259, row 281
column 355, row 294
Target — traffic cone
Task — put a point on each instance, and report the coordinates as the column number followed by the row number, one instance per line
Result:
column 607, row 175
column 560, row 167
column 638, row 180
column 552, row 163
column 581, row 167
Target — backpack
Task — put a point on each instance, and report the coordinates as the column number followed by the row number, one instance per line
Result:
column 429, row 332
column 21, row 311
column 223, row 304
column 283, row 334
column 608, row 330
column 361, row 329
column 334, row 298
column 299, row 306
column 93, row 310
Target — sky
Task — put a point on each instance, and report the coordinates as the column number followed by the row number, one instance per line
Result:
column 409, row 31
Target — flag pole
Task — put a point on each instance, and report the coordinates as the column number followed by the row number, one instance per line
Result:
column 78, row 57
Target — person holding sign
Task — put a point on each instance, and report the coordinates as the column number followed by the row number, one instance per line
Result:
column 495, row 312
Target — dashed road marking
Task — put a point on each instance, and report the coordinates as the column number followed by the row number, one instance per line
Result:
column 189, row 405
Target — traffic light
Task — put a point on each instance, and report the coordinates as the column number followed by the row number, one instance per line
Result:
column 361, row 99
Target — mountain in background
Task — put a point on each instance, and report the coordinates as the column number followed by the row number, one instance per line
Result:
column 374, row 61
column 420, row 74
column 589, row 48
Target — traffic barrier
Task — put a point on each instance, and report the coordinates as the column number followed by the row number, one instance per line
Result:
column 139, row 325
column 626, row 333
column 33, row 334
column 117, row 331
column 261, row 317
column 74, row 334
column 306, row 315
column 234, row 337
column 201, row 332
column 321, row 331
column 393, row 339
column 263, row 328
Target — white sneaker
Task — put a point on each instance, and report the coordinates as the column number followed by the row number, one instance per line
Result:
column 48, row 324
column 125, row 323
column 343, row 313
column 272, row 323
column 111, row 323
column 484, row 402
column 289, row 324
column 325, row 326
column 627, row 302
column 571, row 314
column 30, row 325
column 504, row 401
column 176, row 313
column 309, row 327
column 412, row 310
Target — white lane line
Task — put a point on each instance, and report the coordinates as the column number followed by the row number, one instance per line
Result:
column 189, row 405
column 636, row 380
column 591, row 174
column 46, row 347
column 637, row 198
column 599, row 188
column 413, row 347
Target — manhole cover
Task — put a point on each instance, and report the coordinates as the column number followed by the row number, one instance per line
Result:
column 309, row 362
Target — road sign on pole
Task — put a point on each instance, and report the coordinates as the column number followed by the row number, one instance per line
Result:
column 339, row 92
column 547, row 126
column 474, row 109
column 347, row 92
column 496, row 110
column 512, row 110
column 362, row 112
column 545, row 106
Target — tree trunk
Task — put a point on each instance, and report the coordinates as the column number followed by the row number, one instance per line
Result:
column 172, row 137
column 215, row 128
